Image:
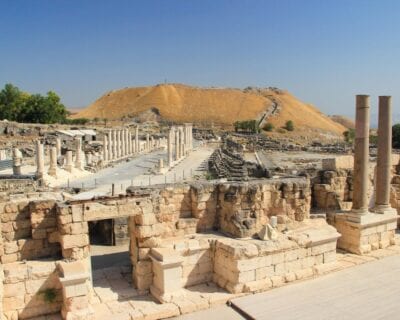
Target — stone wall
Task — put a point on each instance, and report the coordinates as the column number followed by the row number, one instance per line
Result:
column 31, row 289
column 29, row 230
column 11, row 185
column 243, row 209
column 252, row 266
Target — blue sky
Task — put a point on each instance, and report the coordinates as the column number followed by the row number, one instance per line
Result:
column 322, row 51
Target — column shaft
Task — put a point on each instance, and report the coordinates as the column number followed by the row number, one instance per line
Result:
column 361, row 155
column 384, row 164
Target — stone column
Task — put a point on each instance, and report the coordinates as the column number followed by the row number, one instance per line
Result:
column 126, row 142
column 118, row 144
column 105, row 149
column 181, row 142
column 110, row 146
column 177, row 147
column 148, row 142
column 137, row 139
column 123, row 143
column 17, row 161
column 384, row 165
column 39, row 160
column 68, row 164
column 169, row 147
column 186, row 136
column 53, row 162
column 58, row 146
column 361, row 156
column 78, row 153
column 151, row 143
column 114, row 144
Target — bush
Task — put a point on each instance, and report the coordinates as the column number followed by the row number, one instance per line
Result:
column 349, row 135
column 76, row 121
column 268, row 127
column 289, row 126
column 396, row 136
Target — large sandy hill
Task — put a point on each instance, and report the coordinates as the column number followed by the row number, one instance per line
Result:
column 181, row 103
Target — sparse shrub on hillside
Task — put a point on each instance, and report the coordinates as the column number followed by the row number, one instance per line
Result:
column 289, row 126
column 247, row 126
column 268, row 127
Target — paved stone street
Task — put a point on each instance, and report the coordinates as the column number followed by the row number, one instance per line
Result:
column 367, row 291
column 137, row 172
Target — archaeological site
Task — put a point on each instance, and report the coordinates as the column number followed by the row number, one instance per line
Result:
column 155, row 219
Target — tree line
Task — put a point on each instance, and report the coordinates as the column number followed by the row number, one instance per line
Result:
column 20, row 106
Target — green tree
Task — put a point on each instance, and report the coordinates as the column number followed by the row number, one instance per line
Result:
column 396, row 136
column 289, row 126
column 20, row 106
column 11, row 99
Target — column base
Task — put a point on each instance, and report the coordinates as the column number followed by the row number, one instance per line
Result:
column 362, row 233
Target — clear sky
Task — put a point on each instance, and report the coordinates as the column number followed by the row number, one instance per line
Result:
column 323, row 51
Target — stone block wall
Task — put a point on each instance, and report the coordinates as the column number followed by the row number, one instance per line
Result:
column 243, row 209
column 29, row 230
column 253, row 266
column 31, row 289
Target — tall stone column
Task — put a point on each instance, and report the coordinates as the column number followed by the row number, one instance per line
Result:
column 126, row 142
column 148, row 142
column 53, row 162
column 114, row 144
column 151, row 143
column 123, row 143
column 384, row 165
column 58, row 146
column 17, row 161
column 69, row 162
column 181, row 142
column 361, row 156
column 78, row 153
column 110, row 146
column 119, row 144
column 169, row 147
column 177, row 147
column 186, row 136
column 39, row 160
column 137, row 139
column 105, row 148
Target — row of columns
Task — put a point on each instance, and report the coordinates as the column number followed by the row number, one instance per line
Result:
column 179, row 142
column 118, row 144
column 361, row 156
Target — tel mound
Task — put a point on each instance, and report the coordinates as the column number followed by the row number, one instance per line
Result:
column 223, row 106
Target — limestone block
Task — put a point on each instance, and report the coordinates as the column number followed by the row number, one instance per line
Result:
column 71, row 241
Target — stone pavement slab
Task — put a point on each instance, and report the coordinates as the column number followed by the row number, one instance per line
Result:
column 366, row 291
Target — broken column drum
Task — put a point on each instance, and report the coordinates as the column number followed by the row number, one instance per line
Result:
column 69, row 162
column 39, row 160
column 53, row 162
column 78, row 153
column 361, row 155
column 17, row 161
